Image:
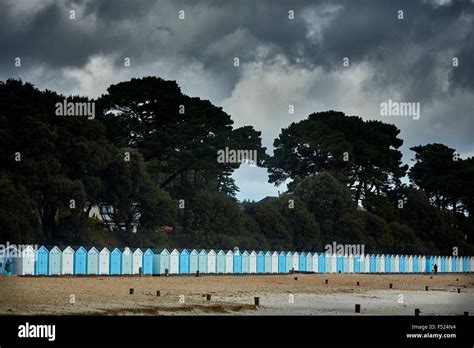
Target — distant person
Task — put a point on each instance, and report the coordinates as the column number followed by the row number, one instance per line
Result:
column 435, row 268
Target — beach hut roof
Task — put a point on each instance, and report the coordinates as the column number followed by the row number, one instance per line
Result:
column 183, row 251
column 116, row 249
column 64, row 247
column 104, row 248
column 51, row 247
column 160, row 250
column 92, row 248
column 221, row 252
column 76, row 248
column 137, row 249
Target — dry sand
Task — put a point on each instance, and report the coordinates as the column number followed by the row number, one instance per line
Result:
column 279, row 295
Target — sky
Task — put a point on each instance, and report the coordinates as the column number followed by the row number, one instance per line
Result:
column 349, row 56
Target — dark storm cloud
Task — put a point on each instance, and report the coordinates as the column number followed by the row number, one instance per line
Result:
column 300, row 59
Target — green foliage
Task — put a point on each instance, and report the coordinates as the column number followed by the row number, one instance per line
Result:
column 142, row 156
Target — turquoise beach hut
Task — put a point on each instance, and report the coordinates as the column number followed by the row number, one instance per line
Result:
column 116, row 262
column 126, row 261
column 183, row 261
column 260, row 262
column 339, row 264
column 245, row 262
column 220, row 262
column 147, row 263
column 281, row 262
column 161, row 261
column 202, row 266
column 54, row 260
column 193, row 261
column 237, row 262
column 268, row 262
column 41, row 261
column 309, row 262
column 93, row 261
column 289, row 261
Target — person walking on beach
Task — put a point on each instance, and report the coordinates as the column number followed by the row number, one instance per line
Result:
column 435, row 267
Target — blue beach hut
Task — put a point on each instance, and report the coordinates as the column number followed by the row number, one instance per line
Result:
column 80, row 260
column 302, row 262
column 322, row 263
column 372, row 264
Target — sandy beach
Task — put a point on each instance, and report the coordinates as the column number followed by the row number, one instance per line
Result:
column 297, row 294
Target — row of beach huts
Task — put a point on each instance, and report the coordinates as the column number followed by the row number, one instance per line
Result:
column 67, row 260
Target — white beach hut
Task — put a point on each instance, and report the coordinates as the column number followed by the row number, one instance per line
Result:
column 397, row 264
column 309, row 262
column 137, row 261
column 275, row 262
column 229, row 262
column 67, row 260
column 253, row 262
column 351, row 264
column 211, row 261
column 315, row 262
column 296, row 261
column 25, row 265
column 104, row 261
column 410, row 264
column 367, row 264
column 174, row 262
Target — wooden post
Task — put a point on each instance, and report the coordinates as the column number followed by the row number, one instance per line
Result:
column 197, row 273
column 426, row 288
column 357, row 308
column 391, row 286
column 459, row 290
column 296, row 278
column 158, row 293
column 208, row 296
column 358, row 284
column 166, row 272
column 417, row 312
column 327, row 281
column 257, row 301
column 131, row 291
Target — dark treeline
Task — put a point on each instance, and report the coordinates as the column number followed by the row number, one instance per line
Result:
column 150, row 155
